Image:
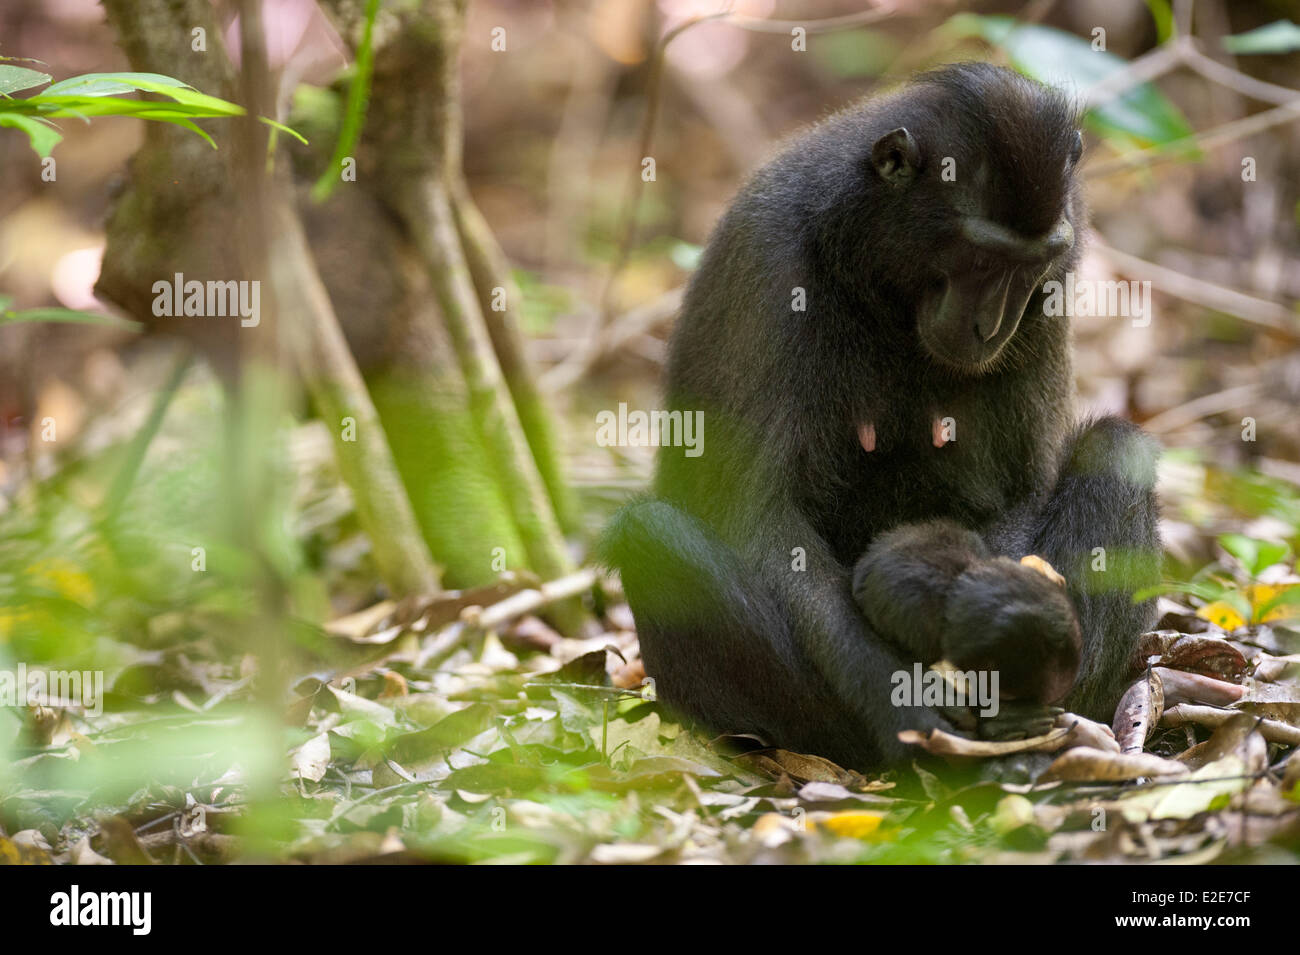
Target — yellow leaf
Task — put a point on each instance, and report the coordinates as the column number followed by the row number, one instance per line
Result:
column 854, row 823
column 1261, row 594
column 1222, row 613
column 65, row 578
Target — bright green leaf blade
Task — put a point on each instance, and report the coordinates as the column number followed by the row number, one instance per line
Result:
column 196, row 100
column 95, row 94
column 110, row 84
column 42, row 135
column 1283, row 36
column 185, row 124
column 285, row 129
column 112, row 106
column 1204, row 590
column 15, row 78
column 1163, row 14
column 99, row 85
column 354, row 112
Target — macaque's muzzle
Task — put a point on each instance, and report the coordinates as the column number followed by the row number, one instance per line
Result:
column 971, row 311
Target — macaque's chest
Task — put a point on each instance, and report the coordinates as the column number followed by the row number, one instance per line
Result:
column 967, row 457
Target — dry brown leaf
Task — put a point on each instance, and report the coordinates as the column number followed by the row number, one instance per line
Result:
column 1084, row 764
column 357, row 626
column 121, row 844
column 1183, row 687
column 1084, row 732
column 946, row 744
column 1204, row 653
column 1237, row 736
column 1139, row 711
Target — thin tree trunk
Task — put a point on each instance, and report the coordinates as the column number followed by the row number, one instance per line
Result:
column 158, row 229
column 433, row 230
column 488, row 267
column 338, row 392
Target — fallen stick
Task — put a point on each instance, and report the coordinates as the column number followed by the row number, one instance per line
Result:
column 526, row 601
column 1185, row 714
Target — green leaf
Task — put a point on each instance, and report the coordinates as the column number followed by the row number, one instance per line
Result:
column 1207, row 590
column 1282, row 36
column 10, row 317
column 354, row 112
column 284, row 129
column 110, row 84
column 15, row 78
column 184, row 124
column 41, row 133
column 97, row 94
column 1062, row 59
column 60, row 105
column 1163, row 14
column 1254, row 555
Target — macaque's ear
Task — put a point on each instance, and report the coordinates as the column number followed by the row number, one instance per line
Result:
column 896, row 157
column 1076, row 147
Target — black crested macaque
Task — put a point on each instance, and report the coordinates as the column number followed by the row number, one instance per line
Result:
column 889, row 429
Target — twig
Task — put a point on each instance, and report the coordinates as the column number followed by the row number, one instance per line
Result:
column 632, row 200
column 825, row 25
column 1163, row 59
column 1272, row 730
column 526, row 601
column 1202, row 407
column 475, row 619
column 1273, row 316
column 606, row 340
column 1217, row 72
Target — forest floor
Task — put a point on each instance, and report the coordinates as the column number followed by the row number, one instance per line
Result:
column 462, row 727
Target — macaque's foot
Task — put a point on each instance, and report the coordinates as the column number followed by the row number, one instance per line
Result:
column 1015, row 720
column 1034, row 562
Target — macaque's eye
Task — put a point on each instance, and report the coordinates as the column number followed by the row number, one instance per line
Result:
column 1076, row 148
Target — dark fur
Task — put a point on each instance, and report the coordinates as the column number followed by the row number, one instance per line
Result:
column 737, row 638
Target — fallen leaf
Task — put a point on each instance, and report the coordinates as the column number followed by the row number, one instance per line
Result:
column 1139, row 712
column 852, row 823
column 1083, row 764
column 312, row 758
column 946, row 744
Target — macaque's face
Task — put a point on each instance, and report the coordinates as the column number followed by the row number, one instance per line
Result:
column 1002, row 210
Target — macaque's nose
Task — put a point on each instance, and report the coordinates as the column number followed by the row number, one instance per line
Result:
column 997, row 239
column 1061, row 239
